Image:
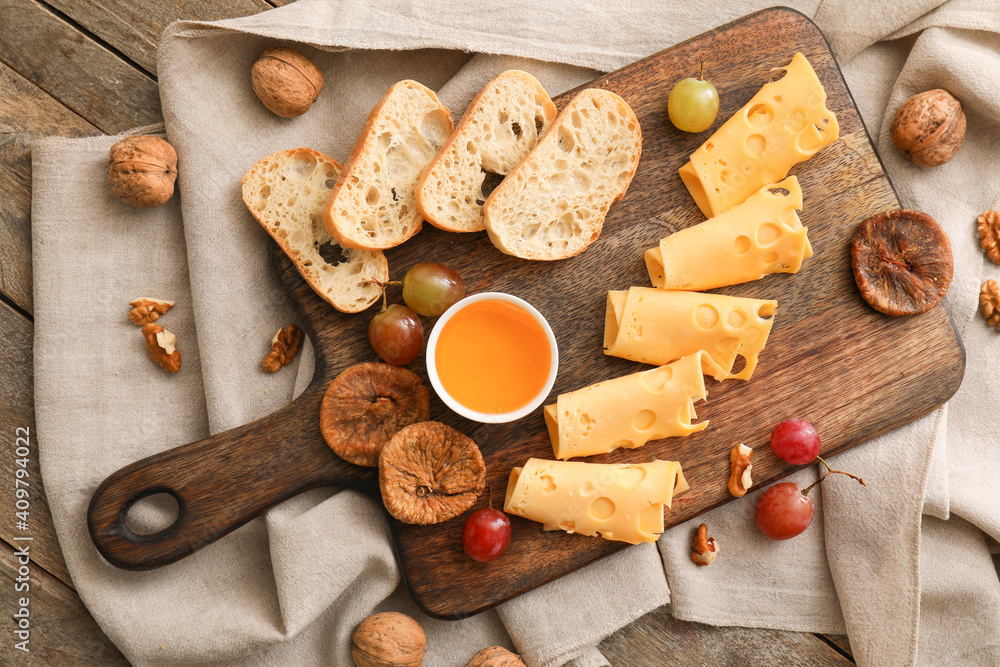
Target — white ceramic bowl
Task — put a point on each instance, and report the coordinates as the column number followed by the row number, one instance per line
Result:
column 486, row 417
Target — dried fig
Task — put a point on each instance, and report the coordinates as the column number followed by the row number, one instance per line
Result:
column 902, row 262
column 388, row 639
column 495, row 656
column 929, row 127
column 142, row 170
column 366, row 405
column 429, row 473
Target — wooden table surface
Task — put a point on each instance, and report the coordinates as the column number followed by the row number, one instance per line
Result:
column 78, row 68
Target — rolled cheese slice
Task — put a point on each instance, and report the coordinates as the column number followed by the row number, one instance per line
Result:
column 628, row 411
column 619, row 501
column 785, row 123
column 763, row 235
column 657, row 326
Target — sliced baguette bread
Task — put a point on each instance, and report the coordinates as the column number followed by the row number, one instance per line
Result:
column 503, row 123
column 286, row 192
column 372, row 207
column 553, row 205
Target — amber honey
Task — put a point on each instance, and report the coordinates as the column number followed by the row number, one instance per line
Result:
column 493, row 357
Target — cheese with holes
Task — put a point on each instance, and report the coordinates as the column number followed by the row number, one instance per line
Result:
column 785, row 123
column 763, row 235
column 657, row 326
column 619, row 501
column 628, row 411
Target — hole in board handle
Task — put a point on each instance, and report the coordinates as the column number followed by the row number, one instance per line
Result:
column 151, row 514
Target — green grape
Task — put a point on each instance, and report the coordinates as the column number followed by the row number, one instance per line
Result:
column 430, row 289
column 693, row 105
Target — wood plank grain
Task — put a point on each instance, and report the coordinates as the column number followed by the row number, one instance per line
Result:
column 17, row 412
column 658, row 639
column 62, row 631
column 76, row 70
column 26, row 113
column 840, row 641
column 134, row 28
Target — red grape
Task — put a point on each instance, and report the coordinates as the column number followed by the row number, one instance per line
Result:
column 486, row 534
column 430, row 289
column 396, row 334
column 783, row 511
column 795, row 441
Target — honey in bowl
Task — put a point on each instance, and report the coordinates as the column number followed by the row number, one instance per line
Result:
column 492, row 356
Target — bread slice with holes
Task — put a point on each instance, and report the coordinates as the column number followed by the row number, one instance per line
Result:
column 286, row 193
column 552, row 206
column 373, row 207
column 500, row 127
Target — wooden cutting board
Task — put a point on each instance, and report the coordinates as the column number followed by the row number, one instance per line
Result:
column 831, row 359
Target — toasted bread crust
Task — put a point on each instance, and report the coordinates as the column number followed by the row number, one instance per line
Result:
column 553, row 205
column 500, row 127
column 373, row 207
column 286, row 193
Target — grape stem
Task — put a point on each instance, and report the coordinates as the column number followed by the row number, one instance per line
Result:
column 701, row 72
column 382, row 286
column 830, row 471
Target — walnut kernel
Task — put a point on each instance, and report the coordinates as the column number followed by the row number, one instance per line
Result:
column 388, row 639
column 142, row 170
column 929, row 127
column 739, row 477
column 284, row 346
column 989, row 303
column 146, row 309
column 495, row 656
column 162, row 347
column 989, row 234
column 705, row 547
column 286, row 81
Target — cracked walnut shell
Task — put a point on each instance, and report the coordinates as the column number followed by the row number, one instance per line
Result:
column 989, row 234
column 366, row 405
column 429, row 473
column 989, row 303
column 388, row 639
column 146, row 309
column 162, row 347
column 286, row 81
column 142, row 170
column 284, row 346
column 495, row 656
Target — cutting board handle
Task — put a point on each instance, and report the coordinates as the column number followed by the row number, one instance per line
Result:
column 219, row 483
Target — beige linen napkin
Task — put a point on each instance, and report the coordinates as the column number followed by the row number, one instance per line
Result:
column 289, row 587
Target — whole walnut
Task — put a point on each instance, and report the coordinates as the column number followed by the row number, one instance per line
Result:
column 495, row 656
column 286, row 81
column 388, row 639
column 929, row 127
column 142, row 170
